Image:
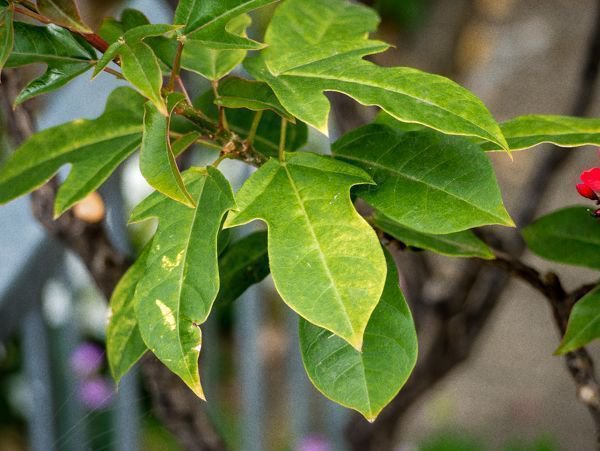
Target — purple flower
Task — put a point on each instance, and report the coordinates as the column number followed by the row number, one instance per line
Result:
column 313, row 443
column 87, row 359
column 96, row 393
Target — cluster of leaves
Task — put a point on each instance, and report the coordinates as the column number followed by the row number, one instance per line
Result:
column 421, row 166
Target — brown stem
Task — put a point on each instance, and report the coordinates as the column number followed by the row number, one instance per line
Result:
column 176, row 66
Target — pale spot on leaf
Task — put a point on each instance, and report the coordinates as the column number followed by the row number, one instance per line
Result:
column 167, row 314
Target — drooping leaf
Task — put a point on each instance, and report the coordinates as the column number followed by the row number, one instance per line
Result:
column 459, row 244
column 570, row 236
column 237, row 92
column 7, row 33
column 325, row 259
column 63, row 12
column 181, row 279
column 124, row 344
column 140, row 67
column 210, row 21
column 584, row 323
column 365, row 381
column 316, row 46
column 157, row 160
column 94, row 148
column 427, row 181
column 66, row 56
column 268, row 134
column 243, row 264
column 527, row 131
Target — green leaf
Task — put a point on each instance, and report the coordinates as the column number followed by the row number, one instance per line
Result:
column 459, row 244
column 316, row 46
column 131, row 36
column 7, row 33
column 184, row 142
column 427, row 181
column 94, row 148
column 237, row 92
column 268, row 134
column 212, row 63
column 243, row 264
column 111, row 29
column 66, row 56
column 210, row 21
column 564, row 131
column 63, row 12
column 325, row 259
column 157, row 160
column 124, row 344
column 181, row 279
column 140, row 67
column 570, row 236
column 584, row 323
column 365, row 381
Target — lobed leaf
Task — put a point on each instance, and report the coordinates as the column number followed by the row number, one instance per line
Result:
column 124, row 344
column 570, row 236
column 459, row 244
column 365, row 381
column 210, row 22
column 63, row 12
column 426, row 181
column 66, row 56
column 181, row 278
column 94, row 148
column 315, row 47
column 325, row 259
column 528, row 131
column 242, row 264
column 214, row 64
column 584, row 323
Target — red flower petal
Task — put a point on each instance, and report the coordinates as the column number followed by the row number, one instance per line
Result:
column 591, row 178
column 586, row 191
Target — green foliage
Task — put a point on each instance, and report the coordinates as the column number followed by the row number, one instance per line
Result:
column 584, row 323
column 254, row 95
column 529, row 131
column 243, row 264
column 181, row 280
column 66, row 56
column 337, row 277
column 570, row 236
column 63, row 12
column 426, row 181
column 300, row 64
column 365, row 381
column 421, row 166
column 124, row 343
column 210, row 22
column 7, row 33
column 157, row 160
column 94, row 148
column 459, row 244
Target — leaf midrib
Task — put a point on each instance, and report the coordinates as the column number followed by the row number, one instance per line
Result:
column 486, row 135
column 414, row 179
column 316, row 240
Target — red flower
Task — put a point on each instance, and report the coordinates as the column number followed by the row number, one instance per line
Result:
column 590, row 187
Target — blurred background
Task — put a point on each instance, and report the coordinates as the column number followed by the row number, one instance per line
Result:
column 520, row 57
